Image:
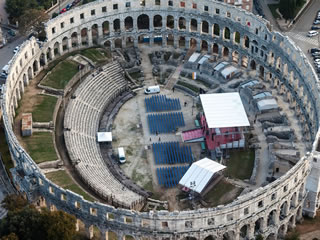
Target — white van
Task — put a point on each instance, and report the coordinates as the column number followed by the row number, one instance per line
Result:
column 5, row 71
column 312, row 33
column 122, row 156
column 152, row 89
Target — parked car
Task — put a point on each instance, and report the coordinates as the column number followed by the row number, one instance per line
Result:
column 63, row 10
column 312, row 33
column 11, row 32
column 16, row 49
column 316, row 22
column 69, row 6
column 312, row 50
column 315, row 27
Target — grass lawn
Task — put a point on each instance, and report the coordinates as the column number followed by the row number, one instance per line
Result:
column 217, row 195
column 61, row 74
column 240, row 164
column 273, row 8
column 4, row 149
column 40, row 147
column 43, row 111
column 62, row 179
column 95, row 55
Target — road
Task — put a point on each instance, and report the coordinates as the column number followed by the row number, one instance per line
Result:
column 6, row 53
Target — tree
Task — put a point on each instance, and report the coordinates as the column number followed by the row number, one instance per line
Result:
column 14, row 202
column 25, row 222
column 34, row 20
column 16, row 8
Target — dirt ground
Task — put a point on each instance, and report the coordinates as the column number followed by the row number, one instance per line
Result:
column 309, row 228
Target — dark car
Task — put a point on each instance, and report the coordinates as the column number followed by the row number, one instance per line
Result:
column 315, row 27
column 11, row 32
column 312, row 50
column 69, row 6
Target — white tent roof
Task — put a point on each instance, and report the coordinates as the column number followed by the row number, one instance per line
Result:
column 194, row 57
column 104, row 136
column 203, row 59
column 224, row 110
column 221, row 65
column 228, row 70
column 200, row 173
column 267, row 104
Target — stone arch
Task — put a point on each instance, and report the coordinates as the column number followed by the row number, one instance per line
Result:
column 193, row 25
column 261, row 72
column 204, row 45
column 226, row 33
column 170, row 40
column 205, row 27
column 230, row 235
column 282, row 231
column 285, row 69
column 64, row 44
column 271, row 218
column 210, row 238
column 56, row 49
column 30, row 76
column 106, row 28
column 111, row 235
column 129, row 41
column 182, row 23
column 107, row 44
column 244, row 61
column 244, row 230
column 157, row 21
column 79, row 225
column 258, row 226
column 170, row 22
column 74, row 39
column 157, row 40
column 283, row 210
column 144, row 39
column 182, row 42
column 291, row 223
column 225, row 52
column 25, row 79
column 215, row 48
column 278, row 63
column 143, row 22
column 271, row 236
column 293, row 200
column 128, row 237
column 253, row 65
column 128, row 23
column 35, row 67
column 94, row 33
column 193, row 43
column 216, row 29
column 246, row 42
column 84, row 36
column 118, row 43
column 116, row 25
column 237, row 37
column 235, row 56
column 18, row 95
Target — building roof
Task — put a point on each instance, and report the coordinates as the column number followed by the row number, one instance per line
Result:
column 104, row 136
column 194, row 57
column 224, row 110
column 267, row 104
column 203, row 59
column 200, row 173
column 228, row 70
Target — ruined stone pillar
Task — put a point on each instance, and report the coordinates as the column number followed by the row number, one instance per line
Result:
column 100, row 31
column 89, row 232
column 69, row 43
column 164, row 40
column 176, row 20
column 188, row 25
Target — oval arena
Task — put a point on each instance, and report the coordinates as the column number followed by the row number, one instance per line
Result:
column 205, row 26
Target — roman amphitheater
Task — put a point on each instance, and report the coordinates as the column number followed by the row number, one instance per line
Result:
column 132, row 31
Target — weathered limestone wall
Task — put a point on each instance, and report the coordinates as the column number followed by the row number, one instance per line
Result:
column 270, row 210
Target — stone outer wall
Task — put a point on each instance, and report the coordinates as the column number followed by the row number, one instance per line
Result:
column 269, row 210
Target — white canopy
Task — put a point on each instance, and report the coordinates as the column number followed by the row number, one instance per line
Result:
column 221, row 65
column 228, row 71
column 104, row 136
column 224, row 110
column 194, row 57
column 200, row 173
column 203, row 59
column 267, row 104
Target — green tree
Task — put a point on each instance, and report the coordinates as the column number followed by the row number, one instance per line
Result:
column 25, row 222
column 16, row 8
column 33, row 19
